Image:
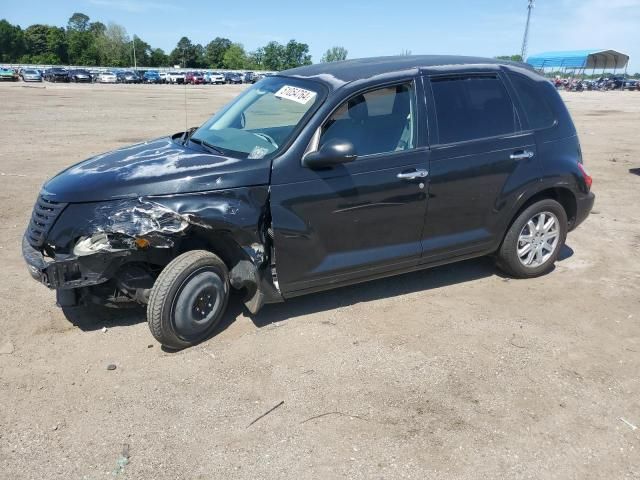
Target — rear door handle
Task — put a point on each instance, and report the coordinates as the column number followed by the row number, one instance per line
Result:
column 413, row 174
column 521, row 155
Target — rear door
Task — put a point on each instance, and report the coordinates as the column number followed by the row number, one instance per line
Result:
column 359, row 219
column 480, row 158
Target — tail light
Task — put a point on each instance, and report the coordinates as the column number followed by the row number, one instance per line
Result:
column 587, row 178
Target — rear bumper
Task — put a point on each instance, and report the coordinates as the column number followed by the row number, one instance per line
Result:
column 584, row 206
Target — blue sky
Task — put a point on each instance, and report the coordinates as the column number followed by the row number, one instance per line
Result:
column 365, row 28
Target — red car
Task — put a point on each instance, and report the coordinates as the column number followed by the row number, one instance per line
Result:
column 194, row 78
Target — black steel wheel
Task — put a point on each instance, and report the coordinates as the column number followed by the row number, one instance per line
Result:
column 188, row 299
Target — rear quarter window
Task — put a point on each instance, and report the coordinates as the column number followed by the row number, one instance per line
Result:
column 531, row 95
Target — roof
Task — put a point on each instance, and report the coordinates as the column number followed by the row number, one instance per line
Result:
column 595, row 58
column 338, row 73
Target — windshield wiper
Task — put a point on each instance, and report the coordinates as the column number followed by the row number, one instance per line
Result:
column 206, row 144
column 187, row 134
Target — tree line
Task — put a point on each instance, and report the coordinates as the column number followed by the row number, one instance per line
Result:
column 85, row 42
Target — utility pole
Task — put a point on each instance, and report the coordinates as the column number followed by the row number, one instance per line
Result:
column 525, row 39
column 135, row 64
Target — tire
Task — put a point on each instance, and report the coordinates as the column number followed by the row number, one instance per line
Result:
column 179, row 313
column 513, row 254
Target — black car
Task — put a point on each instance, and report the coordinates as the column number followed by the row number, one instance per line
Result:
column 56, row 75
column 316, row 178
column 80, row 76
column 231, row 77
column 128, row 77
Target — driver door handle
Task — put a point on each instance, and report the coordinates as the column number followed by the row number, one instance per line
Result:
column 413, row 174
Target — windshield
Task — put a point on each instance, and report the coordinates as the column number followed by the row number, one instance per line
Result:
column 261, row 120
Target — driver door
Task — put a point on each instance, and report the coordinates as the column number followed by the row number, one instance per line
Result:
column 360, row 219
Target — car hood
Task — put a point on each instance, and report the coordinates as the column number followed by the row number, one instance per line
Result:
column 158, row 167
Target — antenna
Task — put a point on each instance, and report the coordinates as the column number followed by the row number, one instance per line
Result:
column 186, row 118
column 525, row 39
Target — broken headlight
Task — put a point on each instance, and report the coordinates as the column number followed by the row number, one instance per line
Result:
column 130, row 224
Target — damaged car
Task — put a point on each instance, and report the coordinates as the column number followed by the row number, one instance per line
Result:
column 315, row 178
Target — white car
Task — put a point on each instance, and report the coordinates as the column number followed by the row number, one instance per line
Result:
column 107, row 77
column 216, row 78
column 175, row 77
column 163, row 77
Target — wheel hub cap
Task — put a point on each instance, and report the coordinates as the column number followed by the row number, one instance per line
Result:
column 538, row 239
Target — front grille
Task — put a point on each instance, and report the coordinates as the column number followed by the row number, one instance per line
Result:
column 45, row 213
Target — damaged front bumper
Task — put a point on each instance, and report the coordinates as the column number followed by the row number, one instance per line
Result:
column 70, row 271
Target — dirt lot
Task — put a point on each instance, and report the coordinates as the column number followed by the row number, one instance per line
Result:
column 451, row 373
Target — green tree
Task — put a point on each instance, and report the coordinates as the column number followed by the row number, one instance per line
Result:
column 215, row 50
column 185, row 54
column 158, row 58
column 35, row 39
column 113, row 46
column 274, row 54
column 143, row 51
column 512, row 58
column 97, row 28
column 235, row 57
column 57, row 45
column 11, row 42
column 78, row 22
column 296, row 54
column 255, row 59
column 334, row 54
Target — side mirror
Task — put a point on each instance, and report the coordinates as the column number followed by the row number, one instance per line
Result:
column 332, row 152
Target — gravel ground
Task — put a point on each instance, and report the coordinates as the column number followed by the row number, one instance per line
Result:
column 450, row 373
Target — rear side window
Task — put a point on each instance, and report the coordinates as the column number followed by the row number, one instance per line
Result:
column 472, row 107
column 536, row 107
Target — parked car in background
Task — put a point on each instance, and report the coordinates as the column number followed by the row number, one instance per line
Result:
column 630, row 84
column 8, row 74
column 107, row 77
column 416, row 160
column 250, row 77
column 163, row 77
column 232, row 77
column 151, row 76
column 30, row 75
column 95, row 74
column 194, row 78
column 57, row 74
column 176, row 77
column 214, row 78
column 80, row 76
column 128, row 77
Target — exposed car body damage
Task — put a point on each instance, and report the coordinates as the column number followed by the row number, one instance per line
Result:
column 92, row 243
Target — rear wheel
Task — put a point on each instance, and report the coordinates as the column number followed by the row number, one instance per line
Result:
column 533, row 242
column 188, row 299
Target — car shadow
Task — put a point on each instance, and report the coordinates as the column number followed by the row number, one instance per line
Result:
column 635, row 171
column 93, row 318
column 420, row 281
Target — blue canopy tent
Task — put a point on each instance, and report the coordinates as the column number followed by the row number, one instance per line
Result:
column 580, row 60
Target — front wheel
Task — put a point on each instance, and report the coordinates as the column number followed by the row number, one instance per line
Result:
column 188, row 299
column 533, row 242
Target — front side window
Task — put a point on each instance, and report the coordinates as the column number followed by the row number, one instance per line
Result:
column 472, row 107
column 378, row 121
column 261, row 120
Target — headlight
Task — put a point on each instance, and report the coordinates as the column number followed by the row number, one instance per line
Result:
column 130, row 224
column 93, row 244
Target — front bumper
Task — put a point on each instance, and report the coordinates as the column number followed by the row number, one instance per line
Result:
column 71, row 271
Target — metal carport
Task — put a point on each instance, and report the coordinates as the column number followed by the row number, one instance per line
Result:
column 580, row 60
